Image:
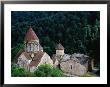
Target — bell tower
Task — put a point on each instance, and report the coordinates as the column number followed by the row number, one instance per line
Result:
column 59, row 49
column 31, row 41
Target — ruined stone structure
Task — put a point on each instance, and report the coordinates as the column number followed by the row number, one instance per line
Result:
column 75, row 64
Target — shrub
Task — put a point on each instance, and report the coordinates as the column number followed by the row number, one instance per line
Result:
column 42, row 71
column 19, row 72
column 47, row 71
column 56, row 72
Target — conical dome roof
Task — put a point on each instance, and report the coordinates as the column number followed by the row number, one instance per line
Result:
column 30, row 35
column 59, row 47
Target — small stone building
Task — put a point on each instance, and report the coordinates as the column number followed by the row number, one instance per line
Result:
column 58, row 56
column 75, row 64
column 59, row 49
column 32, row 55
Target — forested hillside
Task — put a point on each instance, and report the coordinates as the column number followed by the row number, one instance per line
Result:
column 78, row 31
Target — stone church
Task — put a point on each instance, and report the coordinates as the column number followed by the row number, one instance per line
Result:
column 33, row 55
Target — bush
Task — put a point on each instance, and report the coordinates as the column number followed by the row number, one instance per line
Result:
column 56, row 72
column 19, row 72
column 47, row 71
column 42, row 71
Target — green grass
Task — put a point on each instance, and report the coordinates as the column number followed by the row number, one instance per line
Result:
column 89, row 74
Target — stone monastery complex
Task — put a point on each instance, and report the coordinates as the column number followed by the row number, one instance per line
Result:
column 33, row 56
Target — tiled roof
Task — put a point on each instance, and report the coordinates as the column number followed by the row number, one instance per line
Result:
column 59, row 47
column 27, row 55
column 37, row 58
column 30, row 35
column 38, row 55
column 19, row 52
column 34, row 63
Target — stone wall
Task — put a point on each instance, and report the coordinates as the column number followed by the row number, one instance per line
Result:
column 23, row 62
column 73, row 68
column 59, row 52
column 44, row 60
column 55, row 63
column 32, row 46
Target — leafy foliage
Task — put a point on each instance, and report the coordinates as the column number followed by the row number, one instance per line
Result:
column 18, row 72
column 57, row 72
column 89, row 74
column 47, row 71
column 15, row 50
column 42, row 71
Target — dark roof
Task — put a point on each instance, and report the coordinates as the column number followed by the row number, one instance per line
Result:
column 38, row 55
column 27, row 55
column 20, row 52
column 37, row 58
column 30, row 35
column 34, row 63
column 59, row 47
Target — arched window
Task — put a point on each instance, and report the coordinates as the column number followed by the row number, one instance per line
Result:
column 27, row 47
column 32, row 47
column 37, row 46
column 71, row 66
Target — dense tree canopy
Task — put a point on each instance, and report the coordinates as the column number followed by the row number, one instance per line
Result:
column 78, row 31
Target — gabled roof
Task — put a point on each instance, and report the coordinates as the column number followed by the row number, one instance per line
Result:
column 27, row 55
column 34, row 63
column 20, row 52
column 30, row 35
column 59, row 47
column 37, row 58
column 38, row 55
